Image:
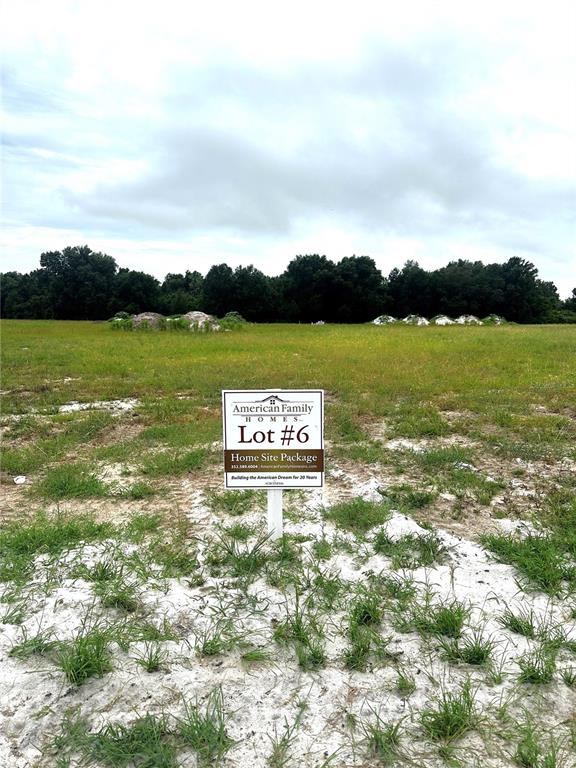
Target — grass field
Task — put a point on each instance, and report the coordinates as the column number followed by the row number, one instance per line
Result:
column 420, row 609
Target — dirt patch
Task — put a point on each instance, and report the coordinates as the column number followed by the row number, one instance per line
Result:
column 122, row 431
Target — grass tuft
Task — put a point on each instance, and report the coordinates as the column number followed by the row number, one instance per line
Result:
column 205, row 730
column 301, row 629
column 521, row 623
column 86, row 655
column 71, row 481
column 169, row 463
column 540, row 560
column 537, row 666
column 152, row 658
column 411, row 551
column 226, row 554
column 445, row 620
column 382, row 741
column 145, row 743
column 475, row 650
column 358, row 515
column 454, row 714
column 42, row 643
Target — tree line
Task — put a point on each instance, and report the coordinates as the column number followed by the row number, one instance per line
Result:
column 80, row 284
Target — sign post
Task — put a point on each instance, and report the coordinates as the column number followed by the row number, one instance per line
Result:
column 275, row 520
column 273, row 439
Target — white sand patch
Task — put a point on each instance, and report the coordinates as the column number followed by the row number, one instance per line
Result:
column 404, row 444
column 520, row 527
column 118, row 406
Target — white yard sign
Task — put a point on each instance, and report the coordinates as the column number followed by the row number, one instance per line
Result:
column 273, row 438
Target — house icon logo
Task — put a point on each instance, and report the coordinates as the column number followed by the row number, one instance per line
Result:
column 272, row 400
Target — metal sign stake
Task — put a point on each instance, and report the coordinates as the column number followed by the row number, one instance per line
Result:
column 275, row 513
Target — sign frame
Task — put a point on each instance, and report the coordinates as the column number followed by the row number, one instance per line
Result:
column 273, row 438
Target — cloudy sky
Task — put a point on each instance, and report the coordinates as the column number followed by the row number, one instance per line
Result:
column 174, row 135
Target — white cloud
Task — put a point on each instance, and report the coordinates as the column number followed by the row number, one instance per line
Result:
column 175, row 135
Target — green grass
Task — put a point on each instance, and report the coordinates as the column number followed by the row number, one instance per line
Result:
column 466, row 483
column 345, row 425
column 538, row 665
column 451, row 715
column 149, row 741
column 256, row 656
column 138, row 630
column 405, row 684
column 183, row 435
column 42, row 643
column 50, row 440
column 368, row 452
column 409, row 499
column 152, row 658
column 422, row 421
column 284, row 564
column 522, row 622
column 22, row 540
column 239, row 532
column 71, row 481
column 216, row 638
column 173, row 462
column 364, row 616
column 175, row 558
column 441, row 619
column 327, row 589
column 442, row 458
column 145, row 742
column 280, row 754
column 380, row 383
column 322, row 549
column 532, row 752
column 118, row 593
column 481, row 366
column 411, row 550
column 14, row 615
column 568, row 675
column 233, row 503
column 240, row 560
column 139, row 491
column 539, row 559
column 357, row 515
column 141, row 524
column 203, row 729
column 87, row 655
column 475, row 650
column 301, row 629
column 382, row 741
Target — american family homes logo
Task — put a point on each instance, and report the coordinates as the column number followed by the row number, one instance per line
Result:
column 273, row 438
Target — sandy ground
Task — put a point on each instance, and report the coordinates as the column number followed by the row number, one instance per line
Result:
column 261, row 700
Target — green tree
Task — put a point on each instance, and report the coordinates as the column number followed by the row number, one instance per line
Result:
column 308, row 288
column 134, row 292
column 570, row 303
column 411, row 291
column 526, row 298
column 25, row 296
column 181, row 293
column 358, row 291
column 219, row 294
column 254, row 294
column 80, row 282
column 466, row 287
